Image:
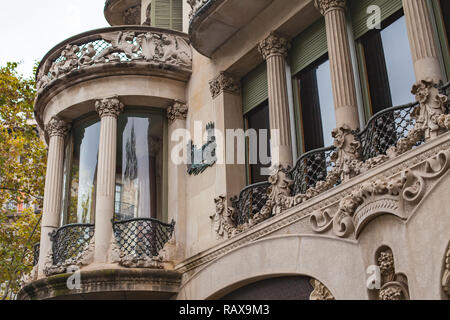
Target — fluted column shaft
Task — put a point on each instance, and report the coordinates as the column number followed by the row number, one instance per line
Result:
column 421, row 39
column 274, row 50
column 342, row 76
column 109, row 110
column 57, row 131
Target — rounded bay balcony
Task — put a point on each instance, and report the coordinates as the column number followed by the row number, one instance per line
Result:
column 145, row 66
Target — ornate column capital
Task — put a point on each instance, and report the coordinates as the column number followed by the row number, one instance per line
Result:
column 274, row 45
column 109, row 107
column 177, row 111
column 326, row 5
column 57, row 128
column 224, row 82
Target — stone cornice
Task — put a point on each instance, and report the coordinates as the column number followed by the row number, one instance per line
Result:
column 57, row 128
column 177, row 111
column 224, row 82
column 324, row 6
column 109, row 107
column 274, row 45
column 334, row 196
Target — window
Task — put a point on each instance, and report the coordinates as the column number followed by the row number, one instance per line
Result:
column 258, row 119
column 139, row 168
column 80, row 173
column 387, row 65
column 316, row 106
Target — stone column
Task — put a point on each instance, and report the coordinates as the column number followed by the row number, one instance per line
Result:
column 108, row 109
column 421, row 39
column 57, row 131
column 227, row 104
column 274, row 50
column 342, row 76
column 176, row 116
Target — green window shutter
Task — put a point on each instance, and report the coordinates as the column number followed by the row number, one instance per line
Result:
column 308, row 46
column 359, row 15
column 177, row 15
column 254, row 88
column 168, row 14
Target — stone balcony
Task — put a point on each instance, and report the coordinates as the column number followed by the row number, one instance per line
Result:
column 130, row 53
column 123, row 12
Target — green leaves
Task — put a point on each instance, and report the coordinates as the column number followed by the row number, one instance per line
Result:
column 22, row 174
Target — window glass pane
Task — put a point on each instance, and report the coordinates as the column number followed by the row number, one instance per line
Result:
column 398, row 61
column 139, row 166
column 317, row 106
column 80, row 188
column 258, row 119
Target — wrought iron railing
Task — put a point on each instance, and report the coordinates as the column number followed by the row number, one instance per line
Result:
column 382, row 131
column 36, row 249
column 142, row 237
column 250, row 202
column 70, row 241
column 123, row 211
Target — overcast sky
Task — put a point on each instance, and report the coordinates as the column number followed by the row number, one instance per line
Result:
column 30, row 28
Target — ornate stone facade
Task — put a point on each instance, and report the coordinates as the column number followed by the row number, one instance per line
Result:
column 177, row 111
column 224, row 83
column 109, row 107
column 274, row 45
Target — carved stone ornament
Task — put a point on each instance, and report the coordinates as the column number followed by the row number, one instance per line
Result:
column 129, row 261
column 84, row 258
column 224, row 83
column 390, row 195
column 347, row 155
column 109, row 107
column 446, row 275
column 393, row 286
column 57, row 128
column 178, row 111
column 222, row 218
column 324, row 6
column 430, row 114
column 158, row 49
column 274, row 45
column 320, row 292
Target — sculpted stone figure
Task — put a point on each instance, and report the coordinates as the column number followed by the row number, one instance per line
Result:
column 121, row 42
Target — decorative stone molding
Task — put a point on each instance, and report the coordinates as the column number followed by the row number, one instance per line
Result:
column 160, row 50
column 57, row 128
column 109, row 107
column 84, row 258
column 390, row 195
column 274, row 45
column 325, row 6
column 177, row 111
column 446, row 275
column 222, row 218
column 320, row 291
column 430, row 115
column 132, row 16
column 224, row 83
column 393, row 286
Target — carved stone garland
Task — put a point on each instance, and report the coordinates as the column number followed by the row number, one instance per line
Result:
column 158, row 49
column 446, row 275
column 178, row 111
column 224, row 83
column 393, row 286
column 222, row 219
column 320, row 292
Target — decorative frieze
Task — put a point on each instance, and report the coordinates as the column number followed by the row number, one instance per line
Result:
column 224, row 83
column 57, row 128
column 274, row 45
column 161, row 50
column 109, row 107
column 326, row 5
column 177, row 111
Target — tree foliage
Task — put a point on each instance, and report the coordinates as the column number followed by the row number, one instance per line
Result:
column 22, row 177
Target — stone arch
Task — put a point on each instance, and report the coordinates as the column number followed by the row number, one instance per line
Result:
column 335, row 263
